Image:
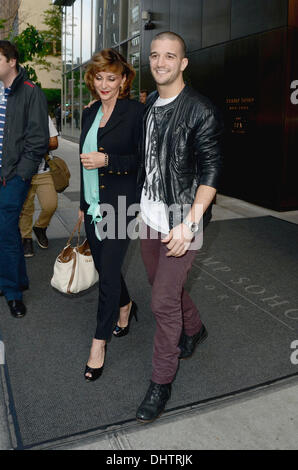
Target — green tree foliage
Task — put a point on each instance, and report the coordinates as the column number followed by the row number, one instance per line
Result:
column 52, row 35
column 30, row 45
column 37, row 46
column 53, row 96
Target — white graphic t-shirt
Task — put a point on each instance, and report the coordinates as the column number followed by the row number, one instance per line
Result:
column 153, row 210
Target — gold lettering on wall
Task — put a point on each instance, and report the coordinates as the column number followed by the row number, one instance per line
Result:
column 239, row 109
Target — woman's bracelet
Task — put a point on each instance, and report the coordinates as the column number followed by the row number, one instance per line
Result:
column 106, row 159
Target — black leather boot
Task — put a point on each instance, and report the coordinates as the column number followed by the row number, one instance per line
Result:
column 17, row 308
column 154, row 402
column 188, row 344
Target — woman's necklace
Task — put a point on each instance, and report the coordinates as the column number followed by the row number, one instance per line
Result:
column 104, row 118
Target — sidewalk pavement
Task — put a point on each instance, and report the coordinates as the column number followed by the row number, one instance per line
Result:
column 263, row 419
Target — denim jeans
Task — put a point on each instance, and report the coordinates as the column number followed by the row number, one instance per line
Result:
column 13, row 275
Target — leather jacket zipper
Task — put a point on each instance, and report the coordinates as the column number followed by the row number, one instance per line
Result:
column 157, row 155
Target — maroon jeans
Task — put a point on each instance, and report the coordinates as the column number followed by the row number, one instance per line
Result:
column 171, row 304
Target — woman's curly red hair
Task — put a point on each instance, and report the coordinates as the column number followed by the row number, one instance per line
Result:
column 109, row 60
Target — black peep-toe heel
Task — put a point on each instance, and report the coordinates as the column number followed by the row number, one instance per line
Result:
column 96, row 373
column 118, row 331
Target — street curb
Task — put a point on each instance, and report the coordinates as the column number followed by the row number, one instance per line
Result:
column 6, row 423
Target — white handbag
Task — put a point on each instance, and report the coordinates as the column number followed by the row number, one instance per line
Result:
column 74, row 269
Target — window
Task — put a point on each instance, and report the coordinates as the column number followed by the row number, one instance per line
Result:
column 86, row 30
column 68, row 39
column 135, row 13
column 136, row 41
column 97, row 25
column 77, row 32
column 89, row 26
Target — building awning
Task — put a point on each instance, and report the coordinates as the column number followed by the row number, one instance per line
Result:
column 66, row 3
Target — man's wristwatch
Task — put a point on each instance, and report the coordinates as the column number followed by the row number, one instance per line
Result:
column 193, row 226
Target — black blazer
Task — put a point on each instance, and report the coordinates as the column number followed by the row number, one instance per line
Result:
column 120, row 139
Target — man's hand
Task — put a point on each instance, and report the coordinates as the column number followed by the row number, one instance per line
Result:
column 178, row 240
column 93, row 160
column 90, row 104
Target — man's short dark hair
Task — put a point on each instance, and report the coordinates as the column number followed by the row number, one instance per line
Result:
column 144, row 91
column 10, row 51
column 173, row 37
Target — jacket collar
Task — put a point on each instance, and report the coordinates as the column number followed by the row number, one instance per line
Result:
column 168, row 107
column 116, row 117
column 154, row 96
column 19, row 78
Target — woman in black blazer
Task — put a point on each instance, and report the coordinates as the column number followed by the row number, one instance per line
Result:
column 111, row 130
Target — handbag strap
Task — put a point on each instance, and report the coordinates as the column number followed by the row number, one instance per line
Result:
column 78, row 229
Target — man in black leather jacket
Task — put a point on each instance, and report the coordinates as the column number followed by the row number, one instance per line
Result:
column 177, row 184
column 24, row 137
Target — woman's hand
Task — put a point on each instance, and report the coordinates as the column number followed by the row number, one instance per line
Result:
column 81, row 215
column 93, row 160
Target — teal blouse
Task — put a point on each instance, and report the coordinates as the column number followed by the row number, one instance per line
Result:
column 90, row 177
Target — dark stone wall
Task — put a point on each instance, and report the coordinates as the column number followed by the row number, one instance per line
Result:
column 204, row 23
column 243, row 55
column 254, row 16
column 216, row 28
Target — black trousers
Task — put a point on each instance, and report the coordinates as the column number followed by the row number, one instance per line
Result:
column 108, row 256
